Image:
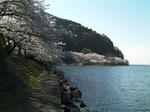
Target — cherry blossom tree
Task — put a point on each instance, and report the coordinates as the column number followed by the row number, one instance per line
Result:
column 25, row 25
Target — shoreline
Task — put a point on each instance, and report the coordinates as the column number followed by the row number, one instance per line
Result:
column 70, row 96
column 70, row 57
column 40, row 91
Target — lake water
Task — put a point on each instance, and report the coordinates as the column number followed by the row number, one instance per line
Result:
column 112, row 88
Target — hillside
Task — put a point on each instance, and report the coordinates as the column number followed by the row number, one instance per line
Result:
column 82, row 39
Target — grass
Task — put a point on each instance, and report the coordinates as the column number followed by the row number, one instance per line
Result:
column 14, row 90
column 35, row 81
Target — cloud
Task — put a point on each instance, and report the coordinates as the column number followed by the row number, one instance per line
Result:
column 137, row 55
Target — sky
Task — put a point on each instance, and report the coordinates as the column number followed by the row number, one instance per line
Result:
column 125, row 22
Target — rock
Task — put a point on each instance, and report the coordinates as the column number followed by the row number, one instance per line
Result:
column 77, row 100
column 76, row 94
column 76, row 88
column 85, row 111
column 66, row 98
column 63, row 80
column 82, row 105
column 68, row 87
column 71, row 108
column 64, row 89
column 72, row 89
column 89, row 111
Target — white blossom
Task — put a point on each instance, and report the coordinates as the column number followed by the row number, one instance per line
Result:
column 26, row 23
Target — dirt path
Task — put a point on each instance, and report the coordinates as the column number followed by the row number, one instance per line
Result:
column 44, row 97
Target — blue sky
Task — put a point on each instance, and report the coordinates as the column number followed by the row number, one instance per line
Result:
column 125, row 22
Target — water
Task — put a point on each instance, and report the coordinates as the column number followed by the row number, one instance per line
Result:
column 112, row 89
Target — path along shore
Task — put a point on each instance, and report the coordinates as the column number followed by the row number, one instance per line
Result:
column 32, row 90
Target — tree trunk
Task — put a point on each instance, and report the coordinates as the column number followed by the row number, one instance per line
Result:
column 19, row 51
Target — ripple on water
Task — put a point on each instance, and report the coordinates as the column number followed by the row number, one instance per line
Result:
column 112, row 89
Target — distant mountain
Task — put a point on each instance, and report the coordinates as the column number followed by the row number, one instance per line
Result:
column 82, row 39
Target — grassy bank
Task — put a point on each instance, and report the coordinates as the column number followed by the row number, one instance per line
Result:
column 20, row 78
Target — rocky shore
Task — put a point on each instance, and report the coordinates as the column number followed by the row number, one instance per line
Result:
column 70, row 96
column 38, row 91
column 70, row 57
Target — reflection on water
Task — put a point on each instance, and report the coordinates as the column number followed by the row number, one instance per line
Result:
column 112, row 89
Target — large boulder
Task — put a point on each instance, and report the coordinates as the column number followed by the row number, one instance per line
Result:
column 82, row 105
column 66, row 98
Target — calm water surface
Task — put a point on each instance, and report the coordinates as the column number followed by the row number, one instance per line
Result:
column 112, row 89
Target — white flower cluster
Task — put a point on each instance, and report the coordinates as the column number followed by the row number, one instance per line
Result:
column 26, row 23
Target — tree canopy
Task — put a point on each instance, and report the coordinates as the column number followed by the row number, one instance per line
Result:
column 80, row 38
column 25, row 25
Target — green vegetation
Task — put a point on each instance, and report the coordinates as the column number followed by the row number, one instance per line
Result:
column 18, row 78
column 86, row 50
column 16, row 83
column 35, row 81
column 16, row 86
column 84, row 38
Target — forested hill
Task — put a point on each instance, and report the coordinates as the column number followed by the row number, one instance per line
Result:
column 82, row 39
